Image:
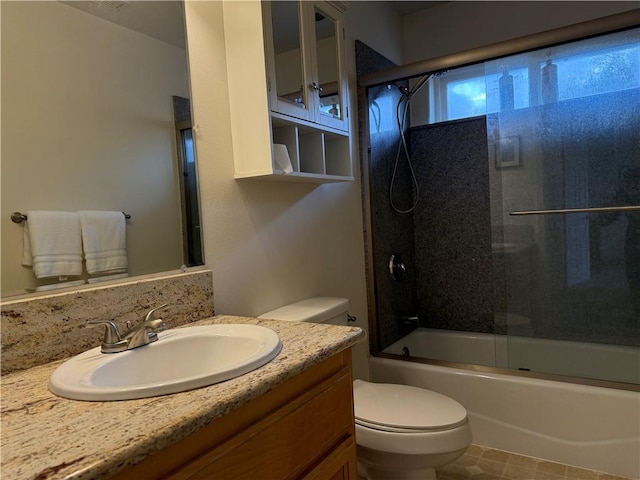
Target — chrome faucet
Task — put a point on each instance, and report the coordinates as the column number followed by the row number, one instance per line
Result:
column 142, row 334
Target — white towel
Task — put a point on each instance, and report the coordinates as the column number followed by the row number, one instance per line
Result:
column 107, row 278
column 52, row 244
column 104, row 241
column 54, row 286
column 27, row 258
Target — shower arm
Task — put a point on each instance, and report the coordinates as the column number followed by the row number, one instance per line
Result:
column 634, row 208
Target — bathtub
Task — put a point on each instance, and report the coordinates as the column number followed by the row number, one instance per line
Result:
column 574, row 359
column 585, row 426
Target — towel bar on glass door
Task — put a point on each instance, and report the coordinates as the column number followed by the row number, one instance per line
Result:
column 634, row 208
column 17, row 217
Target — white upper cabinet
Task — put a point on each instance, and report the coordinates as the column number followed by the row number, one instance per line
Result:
column 304, row 44
column 288, row 91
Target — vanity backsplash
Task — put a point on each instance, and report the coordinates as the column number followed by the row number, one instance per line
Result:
column 47, row 328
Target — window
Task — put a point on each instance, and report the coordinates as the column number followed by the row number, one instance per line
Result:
column 605, row 71
column 588, row 67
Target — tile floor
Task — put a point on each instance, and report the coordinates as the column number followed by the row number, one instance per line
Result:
column 482, row 463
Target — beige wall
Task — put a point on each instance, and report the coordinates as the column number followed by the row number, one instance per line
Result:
column 87, row 124
column 460, row 25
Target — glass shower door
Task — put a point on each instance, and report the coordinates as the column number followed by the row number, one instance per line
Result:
column 565, row 199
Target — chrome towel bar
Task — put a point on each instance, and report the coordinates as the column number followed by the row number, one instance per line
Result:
column 633, row 208
column 17, row 217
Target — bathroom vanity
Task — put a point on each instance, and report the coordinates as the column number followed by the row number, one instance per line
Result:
column 292, row 418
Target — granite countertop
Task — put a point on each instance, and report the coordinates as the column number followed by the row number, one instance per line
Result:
column 48, row 437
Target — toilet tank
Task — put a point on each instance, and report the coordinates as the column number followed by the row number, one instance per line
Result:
column 315, row 310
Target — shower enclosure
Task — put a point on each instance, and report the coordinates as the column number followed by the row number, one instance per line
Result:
column 523, row 249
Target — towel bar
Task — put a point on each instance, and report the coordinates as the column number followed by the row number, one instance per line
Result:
column 578, row 210
column 17, row 217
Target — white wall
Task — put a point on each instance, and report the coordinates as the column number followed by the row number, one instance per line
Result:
column 268, row 243
column 78, row 132
column 459, row 25
column 378, row 25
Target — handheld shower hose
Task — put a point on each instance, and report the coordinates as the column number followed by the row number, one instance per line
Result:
column 401, row 119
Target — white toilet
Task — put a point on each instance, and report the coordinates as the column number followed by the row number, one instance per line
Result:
column 402, row 432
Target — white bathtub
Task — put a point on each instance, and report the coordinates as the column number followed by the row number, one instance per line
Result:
column 589, row 427
column 575, row 359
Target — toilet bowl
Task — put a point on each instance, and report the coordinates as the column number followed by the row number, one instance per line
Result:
column 405, row 432
column 402, row 432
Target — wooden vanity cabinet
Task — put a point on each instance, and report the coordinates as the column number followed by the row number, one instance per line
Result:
column 302, row 429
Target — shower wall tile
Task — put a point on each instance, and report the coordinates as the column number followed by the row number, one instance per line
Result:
column 392, row 232
column 394, row 235
column 370, row 61
column 453, row 226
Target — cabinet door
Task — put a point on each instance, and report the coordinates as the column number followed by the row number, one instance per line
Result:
column 289, row 63
column 290, row 441
column 341, row 464
column 328, row 75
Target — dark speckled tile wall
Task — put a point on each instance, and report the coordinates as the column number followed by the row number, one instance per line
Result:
column 449, row 228
column 453, row 226
column 393, row 232
column 445, row 242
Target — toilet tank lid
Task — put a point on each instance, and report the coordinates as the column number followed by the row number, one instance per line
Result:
column 404, row 406
column 315, row 310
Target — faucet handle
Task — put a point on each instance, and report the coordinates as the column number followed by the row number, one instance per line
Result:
column 111, row 333
column 111, row 342
column 151, row 314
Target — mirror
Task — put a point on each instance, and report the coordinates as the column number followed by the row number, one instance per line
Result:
column 328, row 65
column 96, row 116
column 288, row 59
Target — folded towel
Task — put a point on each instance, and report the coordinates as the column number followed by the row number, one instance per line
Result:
column 104, row 241
column 54, row 286
column 106, row 278
column 27, row 258
column 52, row 244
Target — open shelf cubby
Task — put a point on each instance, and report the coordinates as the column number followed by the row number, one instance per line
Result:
column 314, row 152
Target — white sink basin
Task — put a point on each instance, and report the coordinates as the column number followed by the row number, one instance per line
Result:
column 181, row 359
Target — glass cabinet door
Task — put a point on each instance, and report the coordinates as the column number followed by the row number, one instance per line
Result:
column 304, row 45
column 291, row 94
column 327, row 72
column 327, row 64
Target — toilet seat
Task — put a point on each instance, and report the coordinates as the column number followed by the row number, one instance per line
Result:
column 405, row 420
column 405, row 409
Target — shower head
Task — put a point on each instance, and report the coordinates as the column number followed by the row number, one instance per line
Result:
column 408, row 93
column 402, row 89
column 420, row 84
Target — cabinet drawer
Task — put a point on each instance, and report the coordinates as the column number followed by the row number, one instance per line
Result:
column 286, row 443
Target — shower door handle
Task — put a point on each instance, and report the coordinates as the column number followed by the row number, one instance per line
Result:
column 633, row 208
